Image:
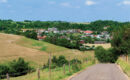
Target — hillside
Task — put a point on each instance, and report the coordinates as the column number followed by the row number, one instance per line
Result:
column 9, row 50
column 36, row 52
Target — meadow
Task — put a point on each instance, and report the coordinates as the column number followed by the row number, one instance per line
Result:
column 37, row 53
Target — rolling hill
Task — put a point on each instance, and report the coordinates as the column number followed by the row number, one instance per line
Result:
column 36, row 52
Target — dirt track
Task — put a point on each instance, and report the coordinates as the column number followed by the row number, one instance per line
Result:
column 101, row 72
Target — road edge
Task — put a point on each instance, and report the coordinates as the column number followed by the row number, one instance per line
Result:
column 123, row 71
column 75, row 74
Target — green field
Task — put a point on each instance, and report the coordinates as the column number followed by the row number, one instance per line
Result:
column 37, row 53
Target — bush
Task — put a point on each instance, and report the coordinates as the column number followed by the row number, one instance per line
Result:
column 76, row 67
column 4, row 69
column 15, row 68
column 30, row 34
column 56, row 62
column 20, row 67
column 106, row 55
column 75, row 61
column 61, row 60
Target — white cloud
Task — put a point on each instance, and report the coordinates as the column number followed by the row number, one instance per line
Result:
column 90, row 2
column 125, row 2
column 3, row 1
column 65, row 4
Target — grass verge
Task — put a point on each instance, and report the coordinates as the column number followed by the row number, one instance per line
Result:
column 56, row 74
column 125, row 66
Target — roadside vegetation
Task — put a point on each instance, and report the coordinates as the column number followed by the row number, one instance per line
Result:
column 15, row 68
column 105, row 56
column 56, row 74
column 120, row 46
column 124, row 65
column 61, row 68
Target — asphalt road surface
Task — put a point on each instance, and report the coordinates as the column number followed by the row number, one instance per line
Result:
column 101, row 72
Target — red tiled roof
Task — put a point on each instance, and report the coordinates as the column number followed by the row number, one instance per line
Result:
column 88, row 32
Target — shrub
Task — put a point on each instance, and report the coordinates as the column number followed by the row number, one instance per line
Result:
column 61, row 60
column 75, row 61
column 15, row 68
column 56, row 62
column 20, row 67
column 4, row 69
column 105, row 55
column 76, row 67
column 30, row 34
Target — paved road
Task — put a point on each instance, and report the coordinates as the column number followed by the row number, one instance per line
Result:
column 101, row 72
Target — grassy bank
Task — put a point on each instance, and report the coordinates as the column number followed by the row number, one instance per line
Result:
column 56, row 74
column 55, row 50
column 37, row 53
column 125, row 66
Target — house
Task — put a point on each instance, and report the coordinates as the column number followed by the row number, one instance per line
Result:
column 52, row 29
column 63, row 31
column 104, row 33
column 106, row 27
column 24, row 30
column 88, row 32
column 99, row 36
column 99, row 42
column 56, row 31
column 41, row 37
column 40, row 30
column 82, row 42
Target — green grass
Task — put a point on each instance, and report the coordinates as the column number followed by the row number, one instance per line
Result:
column 42, row 50
column 54, row 49
column 125, row 66
column 57, row 73
column 41, row 45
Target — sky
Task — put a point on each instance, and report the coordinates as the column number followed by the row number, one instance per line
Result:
column 65, row 10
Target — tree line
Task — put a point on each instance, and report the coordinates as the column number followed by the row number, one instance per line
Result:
column 10, row 26
column 120, row 46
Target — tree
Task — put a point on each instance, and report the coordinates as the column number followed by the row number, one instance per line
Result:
column 20, row 67
column 106, row 55
column 121, row 41
column 31, row 34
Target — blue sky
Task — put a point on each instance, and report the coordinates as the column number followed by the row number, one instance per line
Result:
column 65, row 10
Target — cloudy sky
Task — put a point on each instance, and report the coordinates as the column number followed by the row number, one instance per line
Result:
column 65, row 10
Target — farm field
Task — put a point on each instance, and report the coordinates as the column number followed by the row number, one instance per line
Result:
column 36, row 52
column 106, row 46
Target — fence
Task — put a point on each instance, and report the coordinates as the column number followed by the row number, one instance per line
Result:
column 38, row 73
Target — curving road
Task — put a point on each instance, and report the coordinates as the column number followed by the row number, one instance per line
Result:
column 101, row 72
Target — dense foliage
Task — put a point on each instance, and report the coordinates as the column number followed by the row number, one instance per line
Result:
column 64, row 40
column 121, row 40
column 31, row 34
column 60, row 61
column 15, row 27
column 106, row 56
column 15, row 68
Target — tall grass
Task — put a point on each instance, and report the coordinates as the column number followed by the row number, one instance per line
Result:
column 125, row 66
column 56, row 74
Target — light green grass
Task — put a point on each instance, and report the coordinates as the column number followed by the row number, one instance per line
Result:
column 41, row 45
column 42, row 50
column 125, row 66
column 54, row 49
column 57, row 73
